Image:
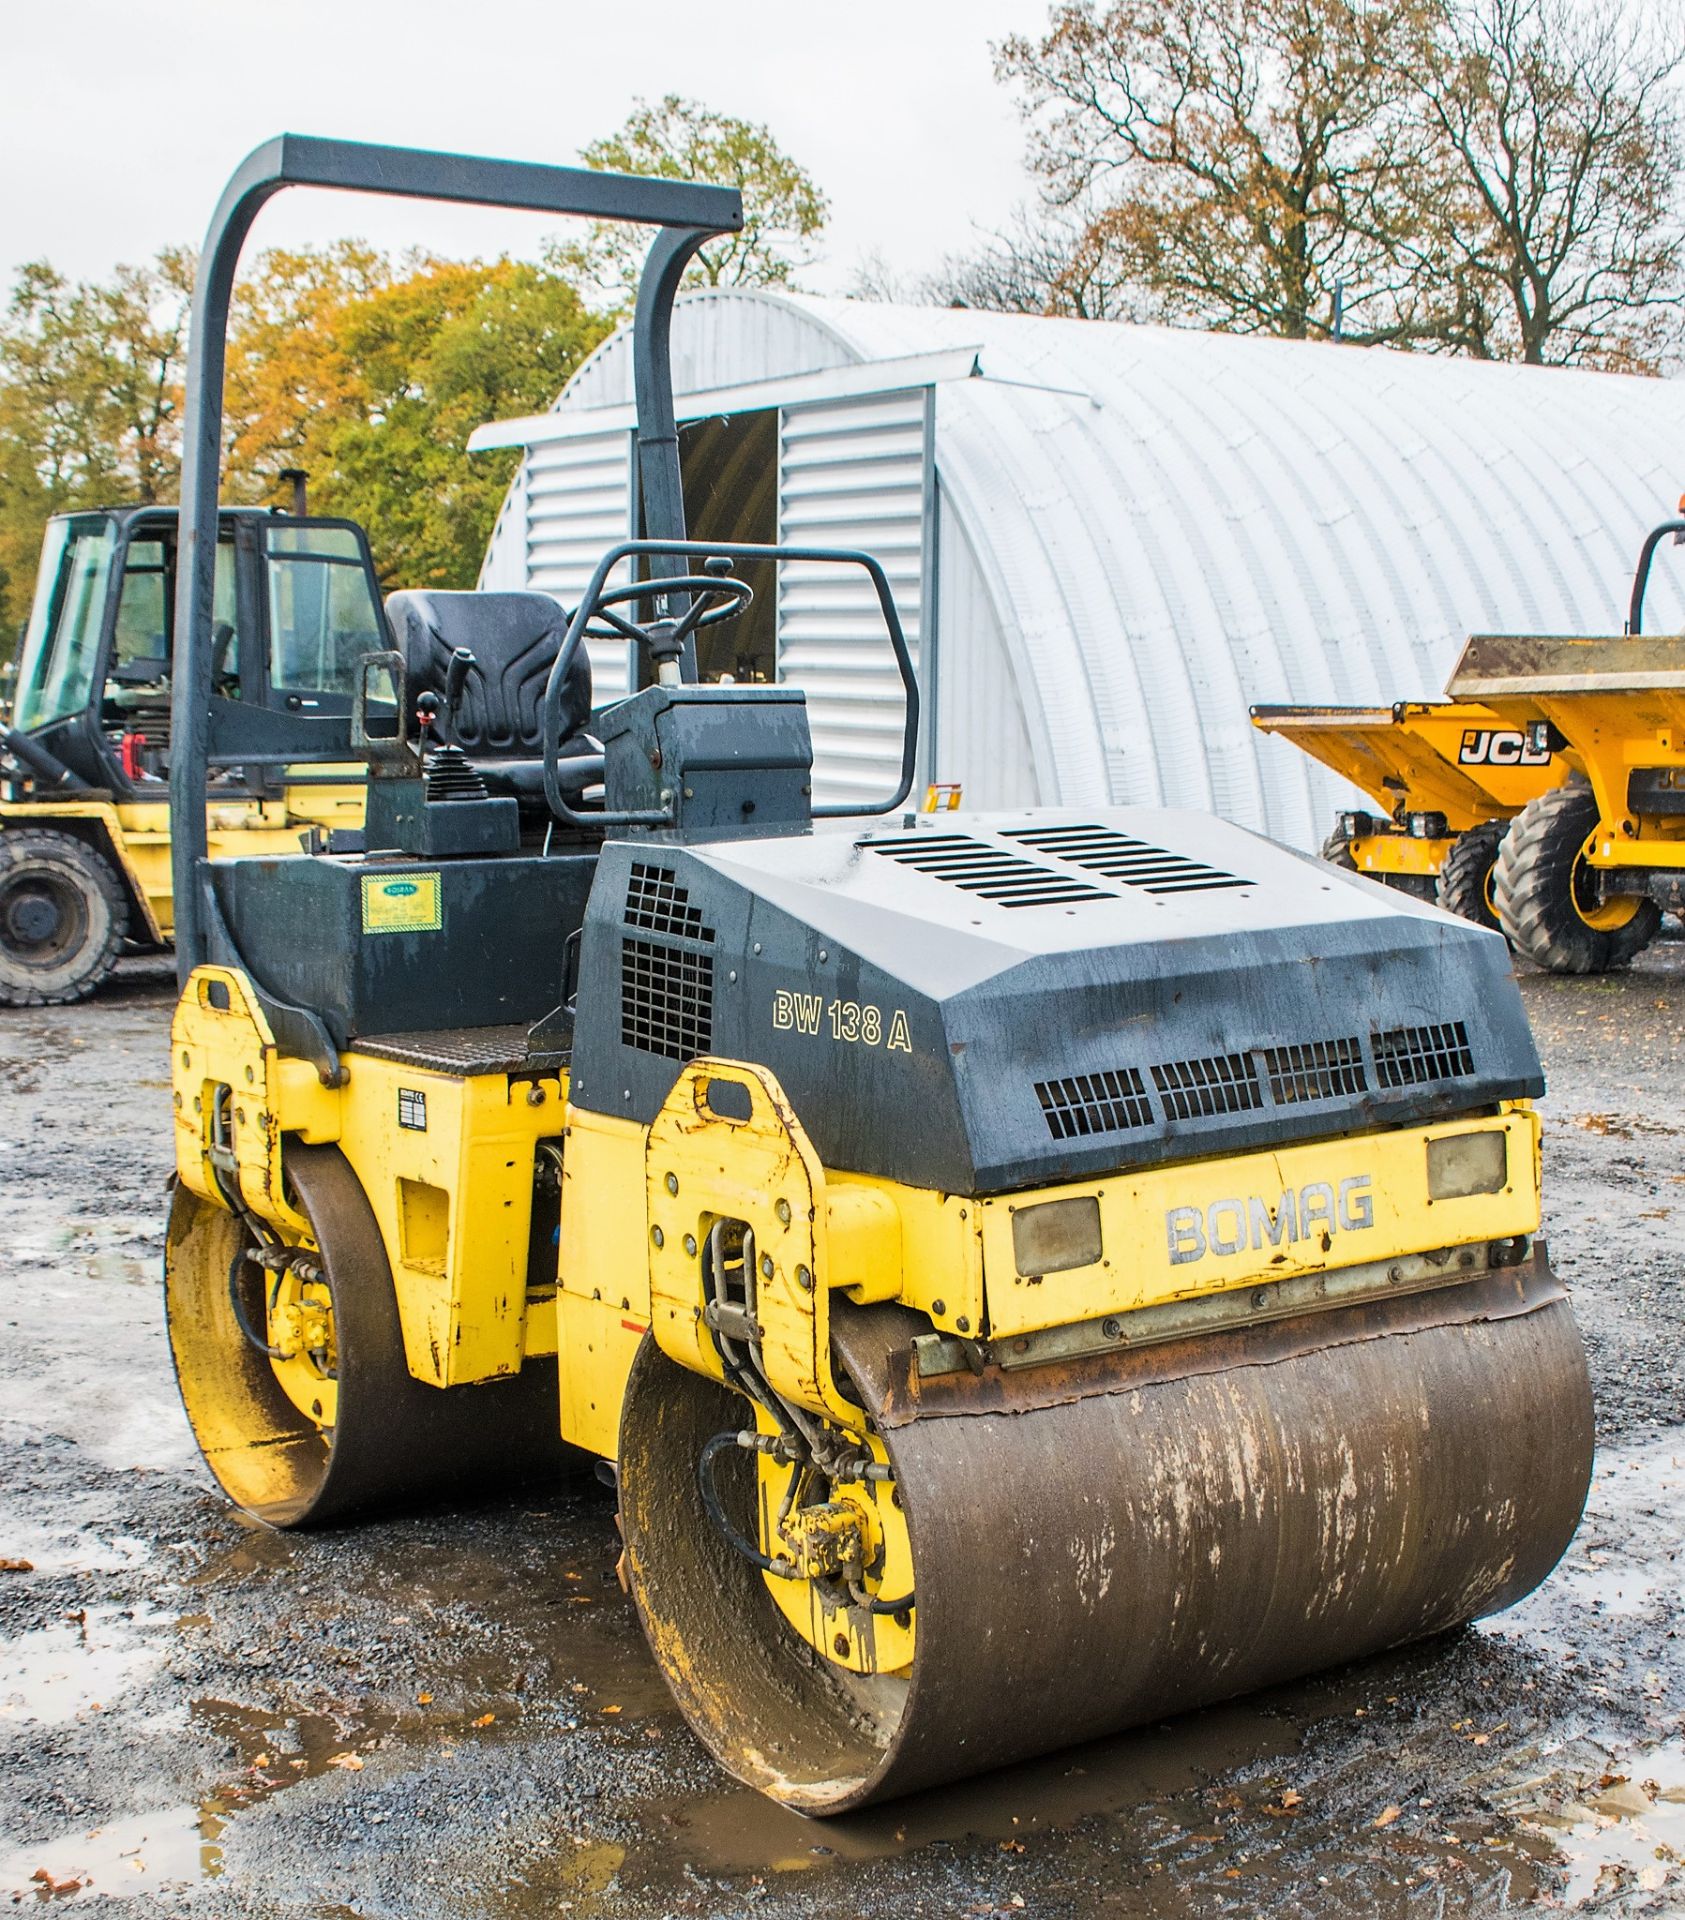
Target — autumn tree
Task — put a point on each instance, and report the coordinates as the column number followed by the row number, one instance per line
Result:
column 368, row 375
column 370, row 378
column 1236, row 159
column 1550, row 207
column 676, row 139
column 90, row 402
column 1494, row 177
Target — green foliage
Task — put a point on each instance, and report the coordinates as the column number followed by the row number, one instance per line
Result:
column 368, row 375
column 677, row 139
column 372, row 380
column 89, row 403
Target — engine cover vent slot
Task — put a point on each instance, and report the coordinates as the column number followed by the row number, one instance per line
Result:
column 1115, row 1101
column 666, row 1000
column 1198, row 1089
column 656, row 902
column 1416, row 1056
column 1120, row 857
column 1315, row 1070
column 992, row 873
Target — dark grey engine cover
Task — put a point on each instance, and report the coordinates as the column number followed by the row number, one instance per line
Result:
column 979, row 1002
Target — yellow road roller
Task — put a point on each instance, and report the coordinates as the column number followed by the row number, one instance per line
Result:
column 1029, row 1272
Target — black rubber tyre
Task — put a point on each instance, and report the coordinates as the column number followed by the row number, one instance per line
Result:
column 1465, row 879
column 1540, row 890
column 63, row 918
column 1336, row 850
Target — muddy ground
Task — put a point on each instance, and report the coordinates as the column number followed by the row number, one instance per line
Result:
column 454, row 1714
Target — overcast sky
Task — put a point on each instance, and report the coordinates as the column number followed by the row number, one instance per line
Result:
column 123, row 117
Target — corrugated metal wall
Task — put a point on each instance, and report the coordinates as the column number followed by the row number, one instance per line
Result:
column 852, row 474
column 982, row 730
column 578, row 501
column 1163, row 526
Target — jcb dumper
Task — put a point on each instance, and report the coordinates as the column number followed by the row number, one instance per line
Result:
column 1029, row 1272
column 1446, row 776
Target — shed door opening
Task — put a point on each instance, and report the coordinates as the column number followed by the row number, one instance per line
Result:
column 730, row 468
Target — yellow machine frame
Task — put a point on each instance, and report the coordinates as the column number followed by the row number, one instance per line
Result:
column 1461, row 759
column 134, row 836
column 1124, row 1259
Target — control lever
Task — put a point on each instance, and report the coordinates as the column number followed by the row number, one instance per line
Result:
column 462, row 663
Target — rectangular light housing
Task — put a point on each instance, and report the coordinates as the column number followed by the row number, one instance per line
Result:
column 1461, row 1164
column 1056, row 1236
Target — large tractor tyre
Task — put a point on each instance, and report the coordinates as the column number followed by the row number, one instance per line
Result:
column 63, row 918
column 343, row 1429
column 1336, row 850
column 1465, row 880
column 1544, row 893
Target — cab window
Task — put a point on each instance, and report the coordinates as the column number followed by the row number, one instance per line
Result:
column 323, row 614
column 61, row 645
column 141, row 650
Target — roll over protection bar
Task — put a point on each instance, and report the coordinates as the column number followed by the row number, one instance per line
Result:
column 686, row 214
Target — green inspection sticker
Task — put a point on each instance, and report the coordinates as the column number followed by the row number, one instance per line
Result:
column 402, row 903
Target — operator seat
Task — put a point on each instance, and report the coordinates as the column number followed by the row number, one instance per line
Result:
column 514, row 638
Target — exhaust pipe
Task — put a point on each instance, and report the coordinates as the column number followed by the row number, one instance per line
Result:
column 40, row 761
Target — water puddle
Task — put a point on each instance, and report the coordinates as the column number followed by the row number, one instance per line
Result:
column 77, row 1664
column 167, row 1850
column 162, row 1852
column 1619, row 1831
column 739, row 1831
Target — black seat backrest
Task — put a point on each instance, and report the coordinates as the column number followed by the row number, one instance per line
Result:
column 514, row 638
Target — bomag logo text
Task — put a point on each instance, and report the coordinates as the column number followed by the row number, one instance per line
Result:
column 1499, row 747
column 1316, row 1211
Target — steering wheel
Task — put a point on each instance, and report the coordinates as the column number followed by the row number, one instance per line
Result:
column 716, row 596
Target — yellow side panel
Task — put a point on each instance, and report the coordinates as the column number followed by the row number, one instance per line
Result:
column 602, row 1298
column 596, row 1344
column 447, row 1164
column 1398, row 853
column 604, row 1248
column 1210, row 1225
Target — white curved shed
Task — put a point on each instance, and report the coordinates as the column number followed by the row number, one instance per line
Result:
column 1107, row 540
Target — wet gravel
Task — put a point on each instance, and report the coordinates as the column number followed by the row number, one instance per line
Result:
column 453, row 1714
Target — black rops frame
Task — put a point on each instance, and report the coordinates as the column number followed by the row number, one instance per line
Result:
column 1641, row 577
column 686, row 213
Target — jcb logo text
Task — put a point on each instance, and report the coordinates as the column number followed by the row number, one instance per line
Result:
column 1499, row 747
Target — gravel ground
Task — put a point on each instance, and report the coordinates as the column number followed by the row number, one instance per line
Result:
column 454, row 1713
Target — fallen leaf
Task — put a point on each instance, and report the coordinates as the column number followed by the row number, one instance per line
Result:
column 51, row 1882
column 1622, row 1799
column 484, row 1720
column 1387, row 1816
column 17, row 1566
column 611, row 1709
column 424, row 1699
column 351, row 1762
column 1291, row 1797
column 1012, row 1846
